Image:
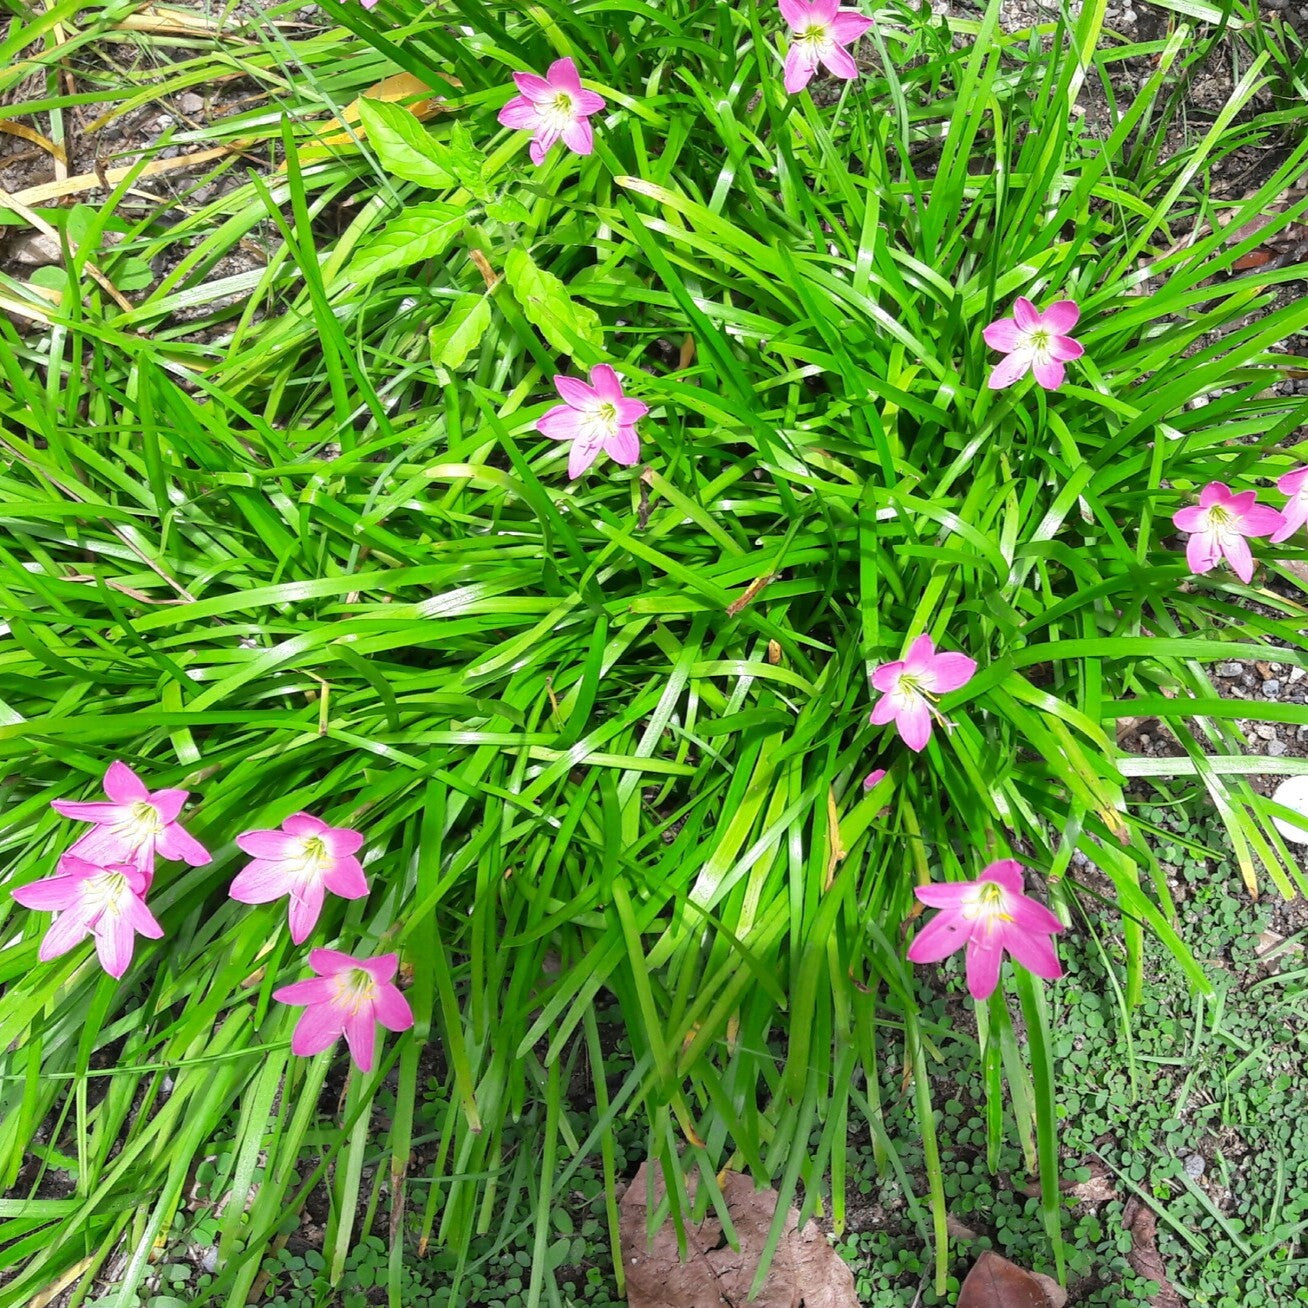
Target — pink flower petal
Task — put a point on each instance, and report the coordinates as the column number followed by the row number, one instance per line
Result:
column 847, row 26
column 942, row 936
column 122, row 785
column 984, row 955
column 346, row 879
column 331, row 962
column 798, row 69
column 874, row 778
column 1202, row 552
column 579, row 137
column 630, row 411
column 169, row 803
column 94, row 811
column 945, row 894
column 175, row 842
column 1006, row 872
column 580, row 457
column 114, row 942
column 883, row 711
column 1296, row 514
column 1035, row 952
column 102, row 846
column 1026, row 314
column 839, row 62
column 885, row 675
column 519, row 114
column 1060, row 317
column 824, row 11
column 605, row 384
column 1048, row 372
column 1065, row 348
column 1260, row 520
column 563, row 76
column 361, row 1037
column 305, row 824
column 140, row 919
column 561, row 423
column 1003, row 334
column 314, row 990
column 623, row 447
column 260, row 882
column 576, row 393
column 392, row 1009
column 1293, row 482
column 382, row 969
column 318, row 1028
column 1215, row 492
column 587, row 102
column 305, row 906
column 795, row 12
column 914, row 723
column 920, row 657
column 52, row 895
column 266, row 844
column 66, row 932
column 534, row 88
column 342, row 841
column 1239, row 556
column 1011, row 368
column 948, row 672
column 1032, row 918
column 1190, row 518
column 540, row 147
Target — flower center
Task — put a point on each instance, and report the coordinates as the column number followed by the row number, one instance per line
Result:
column 909, row 686
column 1040, row 339
column 140, row 824
column 355, row 989
column 104, row 893
column 814, row 35
column 987, row 903
column 560, row 111
column 1221, row 521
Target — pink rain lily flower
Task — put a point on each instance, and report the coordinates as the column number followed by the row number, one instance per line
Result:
column 989, row 915
column 820, row 32
column 349, row 995
column 1035, row 341
column 554, row 107
column 105, row 903
column 133, row 826
column 1295, row 485
column 1218, row 525
column 594, row 418
column 910, row 686
column 304, row 860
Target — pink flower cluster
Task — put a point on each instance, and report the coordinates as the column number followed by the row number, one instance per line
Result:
column 100, row 886
column 1220, row 525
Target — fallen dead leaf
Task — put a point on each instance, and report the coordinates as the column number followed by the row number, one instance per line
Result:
column 1139, row 1221
column 994, row 1282
column 1098, row 1189
column 956, row 1229
column 805, row 1270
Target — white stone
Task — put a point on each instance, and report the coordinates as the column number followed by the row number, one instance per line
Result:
column 1293, row 794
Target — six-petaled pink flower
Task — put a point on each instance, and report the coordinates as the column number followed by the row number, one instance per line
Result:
column 105, row 902
column 554, row 107
column 910, row 686
column 1295, row 485
column 1218, row 525
column 348, row 995
column 594, row 418
column 304, row 860
column 1035, row 341
column 133, row 826
column 989, row 915
column 820, row 31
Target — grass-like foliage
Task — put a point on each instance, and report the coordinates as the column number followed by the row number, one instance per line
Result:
column 606, row 738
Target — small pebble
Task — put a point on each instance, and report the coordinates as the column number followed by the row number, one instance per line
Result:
column 1296, row 674
column 1230, row 669
column 1194, row 1166
column 1276, row 748
column 1271, row 688
column 190, row 103
column 1265, row 730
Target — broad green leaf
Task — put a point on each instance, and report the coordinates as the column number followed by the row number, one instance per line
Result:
column 508, row 209
column 461, row 332
column 423, row 231
column 404, row 146
column 563, row 322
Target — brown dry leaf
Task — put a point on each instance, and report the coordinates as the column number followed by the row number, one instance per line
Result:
column 805, row 1270
column 1098, row 1189
column 994, row 1282
column 1054, row 1292
column 956, row 1230
column 399, row 86
column 1145, row 1260
column 35, row 138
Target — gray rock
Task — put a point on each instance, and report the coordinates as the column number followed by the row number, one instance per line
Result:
column 36, row 250
column 1276, row 748
column 1194, row 1166
column 1264, row 731
column 1229, row 669
column 1271, row 688
column 190, row 103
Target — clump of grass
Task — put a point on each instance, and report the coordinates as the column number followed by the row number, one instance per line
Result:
column 607, row 738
